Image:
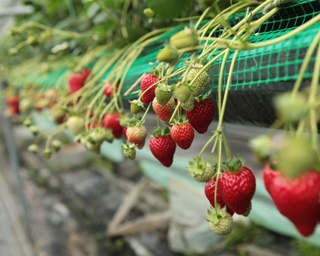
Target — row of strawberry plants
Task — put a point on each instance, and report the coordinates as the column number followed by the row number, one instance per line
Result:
column 96, row 114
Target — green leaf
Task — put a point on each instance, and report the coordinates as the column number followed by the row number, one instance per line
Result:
column 169, row 9
column 93, row 10
column 113, row 4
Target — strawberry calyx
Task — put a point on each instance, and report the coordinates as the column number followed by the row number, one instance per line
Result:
column 178, row 120
column 129, row 150
column 155, row 71
column 133, row 121
column 160, row 132
column 207, row 95
column 200, row 170
column 234, row 165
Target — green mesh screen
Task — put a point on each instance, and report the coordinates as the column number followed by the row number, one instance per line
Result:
column 258, row 73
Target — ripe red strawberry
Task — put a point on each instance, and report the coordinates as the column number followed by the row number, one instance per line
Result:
column 237, row 186
column 209, row 191
column 112, row 121
column 182, row 134
column 13, row 103
column 163, row 147
column 163, row 112
column 298, row 199
column 109, row 89
column 86, row 72
column 76, row 82
column 137, row 135
column 148, row 88
column 202, row 114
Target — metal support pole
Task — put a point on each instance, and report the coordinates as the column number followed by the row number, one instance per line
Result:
column 14, row 163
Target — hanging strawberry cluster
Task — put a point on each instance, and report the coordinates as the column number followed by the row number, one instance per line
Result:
column 292, row 171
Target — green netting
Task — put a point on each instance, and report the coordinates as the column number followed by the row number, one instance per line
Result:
column 259, row 67
column 258, row 73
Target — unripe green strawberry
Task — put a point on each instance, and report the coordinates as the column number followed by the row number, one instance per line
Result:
column 189, row 104
column 220, row 221
column 13, row 31
column 137, row 135
column 200, row 170
column 33, row 148
column 163, row 112
column 13, row 51
column 291, row 108
column 108, row 135
column 129, row 151
column 97, row 136
column 182, row 92
column 262, row 147
column 32, row 40
column 200, row 84
column 57, row 145
column 148, row 12
column 163, row 93
column 75, row 124
column 34, row 130
column 168, row 54
column 136, row 106
column 185, row 38
column 296, row 156
column 47, row 153
column 27, row 122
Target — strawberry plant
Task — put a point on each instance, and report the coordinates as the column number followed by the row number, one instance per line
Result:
column 177, row 84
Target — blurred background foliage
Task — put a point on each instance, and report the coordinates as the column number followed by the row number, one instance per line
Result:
column 69, row 28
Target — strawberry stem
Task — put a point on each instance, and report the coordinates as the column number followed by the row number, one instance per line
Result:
column 174, row 112
column 305, row 63
column 218, row 171
column 312, row 98
column 213, row 137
